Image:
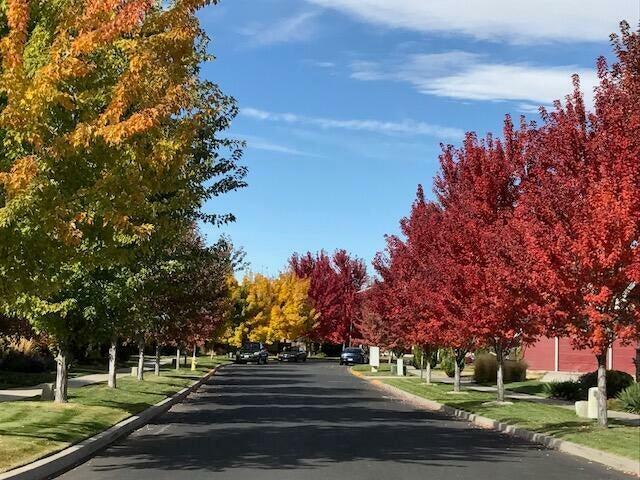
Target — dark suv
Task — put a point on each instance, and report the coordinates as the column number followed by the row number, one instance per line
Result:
column 252, row 352
column 292, row 354
column 352, row 355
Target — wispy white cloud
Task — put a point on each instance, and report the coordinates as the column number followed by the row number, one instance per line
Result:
column 516, row 21
column 406, row 127
column 272, row 147
column 531, row 107
column 368, row 71
column 508, row 82
column 295, row 28
column 469, row 76
column 412, row 66
column 260, row 143
column 320, row 64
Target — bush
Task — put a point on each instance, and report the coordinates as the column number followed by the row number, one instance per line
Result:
column 448, row 363
column 515, row 371
column 579, row 390
column 616, row 382
column 569, row 390
column 24, row 355
column 432, row 356
column 630, row 398
column 485, row 369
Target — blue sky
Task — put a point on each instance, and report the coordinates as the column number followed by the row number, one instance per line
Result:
column 344, row 103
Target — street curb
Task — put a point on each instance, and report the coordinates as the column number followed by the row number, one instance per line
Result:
column 80, row 452
column 610, row 460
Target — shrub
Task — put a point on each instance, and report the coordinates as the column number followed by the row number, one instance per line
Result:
column 616, row 382
column 630, row 398
column 24, row 355
column 515, row 371
column 417, row 356
column 432, row 356
column 485, row 369
column 448, row 363
column 569, row 390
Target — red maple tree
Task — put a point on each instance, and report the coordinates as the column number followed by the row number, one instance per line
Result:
column 334, row 286
column 402, row 295
column 580, row 210
column 388, row 322
column 484, row 261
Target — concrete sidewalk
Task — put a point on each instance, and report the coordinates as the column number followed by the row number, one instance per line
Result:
column 14, row 394
column 624, row 417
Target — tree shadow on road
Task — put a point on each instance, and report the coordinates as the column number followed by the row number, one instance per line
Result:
column 279, row 420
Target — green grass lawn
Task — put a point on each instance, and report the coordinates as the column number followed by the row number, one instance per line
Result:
column 619, row 439
column 384, row 369
column 32, row 429
column 531, row 387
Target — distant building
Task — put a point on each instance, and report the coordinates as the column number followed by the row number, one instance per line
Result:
column 557, row 355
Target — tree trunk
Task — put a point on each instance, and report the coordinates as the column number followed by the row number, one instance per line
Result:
column 458, row 360
column 193, row 358
column 602, row 389
column 456, row 378
column 500, row 373
column 113, row 351
column 141, row 357
column 637, row 362
column 429, row 372
column 62, row 376
column 421, row 363
column 178, row 358
column 156, row 363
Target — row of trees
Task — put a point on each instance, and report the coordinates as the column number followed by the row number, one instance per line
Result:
column 315, row 299
column 534, row 233
column 110, row 148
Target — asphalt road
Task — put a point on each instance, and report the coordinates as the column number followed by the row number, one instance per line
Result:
column 314, row 420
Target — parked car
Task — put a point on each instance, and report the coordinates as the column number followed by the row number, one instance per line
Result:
column 292, row 354
column 252, row 352
column 353, row 355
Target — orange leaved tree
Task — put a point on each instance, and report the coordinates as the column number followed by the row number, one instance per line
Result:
column 107, row 137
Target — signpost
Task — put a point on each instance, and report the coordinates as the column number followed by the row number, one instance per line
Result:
column 400, row 368
column 374, row 358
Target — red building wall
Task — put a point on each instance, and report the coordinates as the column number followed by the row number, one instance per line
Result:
column 622, row 358
column 575, row 360
column 541, row 356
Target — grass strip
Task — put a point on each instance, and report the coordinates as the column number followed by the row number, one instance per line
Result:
column 30, row 430
column 619, row 439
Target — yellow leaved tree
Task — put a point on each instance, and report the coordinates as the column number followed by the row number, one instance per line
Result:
column 108, row 141
column 269, row 310
column 291, row 314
